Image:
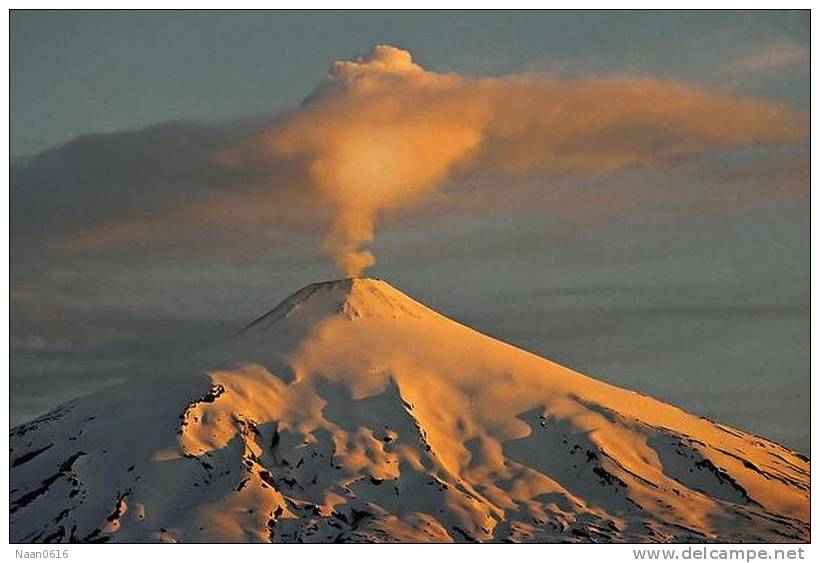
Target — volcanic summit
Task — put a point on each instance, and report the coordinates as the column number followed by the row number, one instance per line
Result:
column 353, row 413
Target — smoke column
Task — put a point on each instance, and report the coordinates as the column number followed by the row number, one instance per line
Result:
column 381, row 132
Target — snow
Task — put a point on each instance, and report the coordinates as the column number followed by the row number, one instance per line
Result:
column 351, row 412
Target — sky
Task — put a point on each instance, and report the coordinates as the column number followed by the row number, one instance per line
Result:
column 626, row 193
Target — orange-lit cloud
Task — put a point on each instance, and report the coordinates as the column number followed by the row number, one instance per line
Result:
column 382, row 132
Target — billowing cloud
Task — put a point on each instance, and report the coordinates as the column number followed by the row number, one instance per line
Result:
column 382, row 132
column 379, row 134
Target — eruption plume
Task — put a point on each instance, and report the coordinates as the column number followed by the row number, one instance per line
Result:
column 381, row 132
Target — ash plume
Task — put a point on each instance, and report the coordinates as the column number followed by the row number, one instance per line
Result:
column 381, row 132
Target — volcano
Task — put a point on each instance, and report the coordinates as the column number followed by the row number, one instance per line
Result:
column 352, row 413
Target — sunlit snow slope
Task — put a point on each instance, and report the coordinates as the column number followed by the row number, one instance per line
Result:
column 353, row 413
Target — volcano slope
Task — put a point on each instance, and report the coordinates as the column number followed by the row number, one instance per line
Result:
column 352, row 413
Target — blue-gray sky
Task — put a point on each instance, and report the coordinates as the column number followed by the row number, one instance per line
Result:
column 688, row 281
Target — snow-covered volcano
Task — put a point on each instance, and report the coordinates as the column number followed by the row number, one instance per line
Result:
column 353, row 413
